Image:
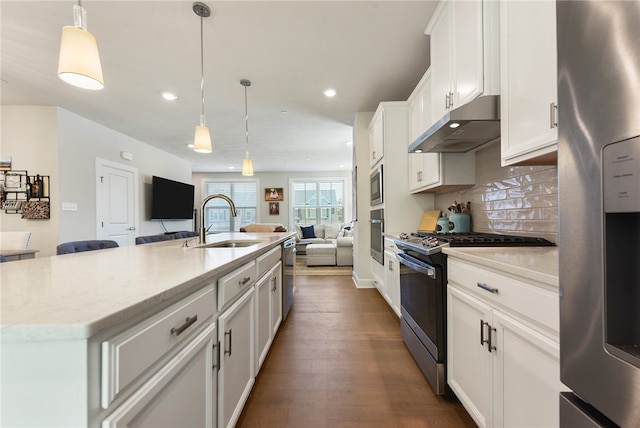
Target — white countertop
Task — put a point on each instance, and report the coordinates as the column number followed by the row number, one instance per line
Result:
column 536, row 263
column 75, row 296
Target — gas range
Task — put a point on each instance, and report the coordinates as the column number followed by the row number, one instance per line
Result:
column 431, row 243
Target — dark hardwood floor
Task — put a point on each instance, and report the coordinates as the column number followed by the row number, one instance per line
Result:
column 339, row 361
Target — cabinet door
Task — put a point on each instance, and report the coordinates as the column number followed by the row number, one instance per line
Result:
column 263, row 318
column 182, row 393
column 440, row 31
column 376, row 143
column 392, row 281
column 469, row 360
column 276, row 299
column 529, row 82
column 526, row 375
column 415, row 170
column 467, row 51
column 236, row 375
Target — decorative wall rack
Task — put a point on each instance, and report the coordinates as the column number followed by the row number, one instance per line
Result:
column 29, row 195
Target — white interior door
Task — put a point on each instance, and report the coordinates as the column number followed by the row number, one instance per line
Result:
column 117, row 200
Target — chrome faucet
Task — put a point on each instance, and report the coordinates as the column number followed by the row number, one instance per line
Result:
column 234, row 212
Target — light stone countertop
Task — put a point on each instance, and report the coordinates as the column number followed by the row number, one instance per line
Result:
column 76, row 296
column 535, row 263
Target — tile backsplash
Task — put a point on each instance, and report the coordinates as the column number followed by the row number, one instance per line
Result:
column 520, row 200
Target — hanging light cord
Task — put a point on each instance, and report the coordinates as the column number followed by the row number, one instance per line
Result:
column 246, row 119
column 202, row 68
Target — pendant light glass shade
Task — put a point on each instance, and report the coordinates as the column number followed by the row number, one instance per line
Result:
column 202, row 140
column 247, row 166
column 79, row 60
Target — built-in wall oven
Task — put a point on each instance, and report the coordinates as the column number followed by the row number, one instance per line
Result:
column 377, row 238
column 423, row 295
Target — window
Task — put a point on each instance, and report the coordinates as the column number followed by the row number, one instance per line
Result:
column 318, row 201
column 217, row 213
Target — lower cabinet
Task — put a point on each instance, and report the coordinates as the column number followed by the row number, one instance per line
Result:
column 392, row 281
column 268, row 311
column 182, row 393
column 237, row 365
column 501, row 364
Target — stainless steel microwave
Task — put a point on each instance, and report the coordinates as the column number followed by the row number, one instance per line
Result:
column 376, row 186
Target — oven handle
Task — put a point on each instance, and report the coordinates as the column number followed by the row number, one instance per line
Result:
column 417, row 265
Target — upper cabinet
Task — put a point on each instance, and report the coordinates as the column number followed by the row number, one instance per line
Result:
column 376, row 138
column 465, row 53
column 433, row 171
column 529, row 130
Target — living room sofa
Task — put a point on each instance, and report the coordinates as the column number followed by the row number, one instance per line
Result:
column 338, row 235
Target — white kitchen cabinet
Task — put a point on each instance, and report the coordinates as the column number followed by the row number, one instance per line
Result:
column 236, row 330
column 392, row 281
column 502, row 347
column 376, row 139
column 420, row 107
column 529, row 131
column 276, row 299
column 182, row 393
column 433, row 172
column 268, row 311
column 464, row 53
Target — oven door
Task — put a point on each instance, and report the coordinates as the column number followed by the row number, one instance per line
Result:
column 422, row 302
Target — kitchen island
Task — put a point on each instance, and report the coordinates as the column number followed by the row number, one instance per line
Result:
column 81, row 337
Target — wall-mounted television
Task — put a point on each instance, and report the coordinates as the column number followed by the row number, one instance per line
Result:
column 171, row 200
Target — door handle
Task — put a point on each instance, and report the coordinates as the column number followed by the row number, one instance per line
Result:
column 131, row 228
column 553, row 122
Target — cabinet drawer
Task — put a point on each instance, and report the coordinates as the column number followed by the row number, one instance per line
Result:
column 126, row 356
column 390, row 245
column 234, row 283
column 265, row 261
column 537, row 304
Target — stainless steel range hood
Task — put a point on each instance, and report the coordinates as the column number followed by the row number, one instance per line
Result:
column 463, row 129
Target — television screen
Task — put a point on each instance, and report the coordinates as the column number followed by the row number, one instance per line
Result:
column 171, row 200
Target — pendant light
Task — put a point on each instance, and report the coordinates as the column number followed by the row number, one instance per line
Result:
column 79, row 60
column 202, row 140
column 247, row 164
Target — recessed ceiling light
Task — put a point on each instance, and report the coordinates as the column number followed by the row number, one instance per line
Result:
column 190, row 145
column 454, row 125
column 341, row 165
column 169, row 96
column 348, row 143
column 418, row 151
column 232, row 167
column 329, row 92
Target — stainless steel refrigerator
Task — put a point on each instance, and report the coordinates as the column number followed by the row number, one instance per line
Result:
column 599, row 229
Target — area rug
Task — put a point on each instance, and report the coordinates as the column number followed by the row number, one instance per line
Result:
column 302, row 269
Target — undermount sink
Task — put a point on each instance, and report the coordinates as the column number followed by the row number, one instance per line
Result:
column 230, row 244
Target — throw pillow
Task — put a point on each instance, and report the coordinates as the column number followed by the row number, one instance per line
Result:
column 331, row 231
column 307, row 232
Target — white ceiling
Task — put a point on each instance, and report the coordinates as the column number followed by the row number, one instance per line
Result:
column 368, row 51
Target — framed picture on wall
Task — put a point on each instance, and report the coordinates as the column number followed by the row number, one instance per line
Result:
column 273, row 194
column 274, row 208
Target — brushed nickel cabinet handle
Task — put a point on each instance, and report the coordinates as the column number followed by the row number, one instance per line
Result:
column 487, row 287
column 490, row 345
column 553, row 122
column 190, row 320
column 482, row 339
